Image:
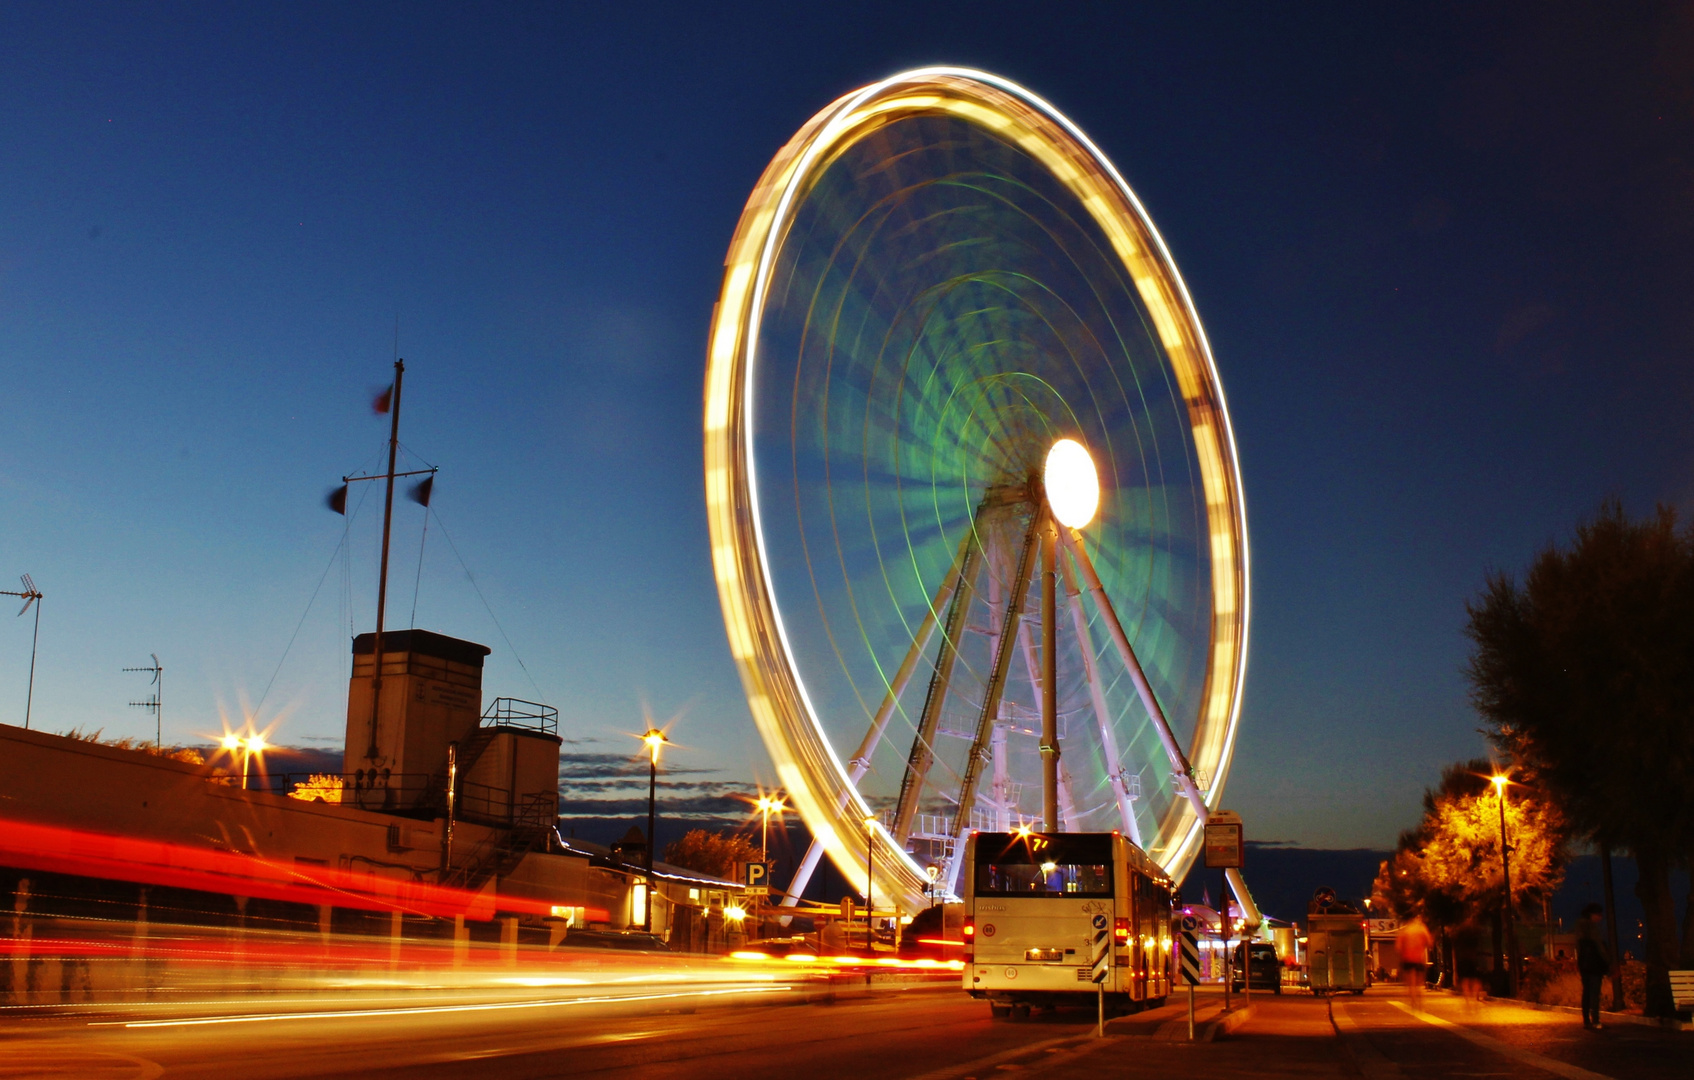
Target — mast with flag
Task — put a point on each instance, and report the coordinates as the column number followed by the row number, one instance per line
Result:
column 386, row 402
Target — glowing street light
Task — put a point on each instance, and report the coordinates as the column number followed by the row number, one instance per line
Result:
column 1500, row 781
column 652, row 740
column 253, row 744
column 767, row 805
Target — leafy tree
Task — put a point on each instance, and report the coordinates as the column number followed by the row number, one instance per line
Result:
column 1583, row 675
column 711, row 852
column 1448, row 869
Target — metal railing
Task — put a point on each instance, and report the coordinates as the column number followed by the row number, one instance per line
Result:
column 517, row 713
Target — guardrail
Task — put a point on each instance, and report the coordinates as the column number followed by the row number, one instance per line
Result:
column 518, row 713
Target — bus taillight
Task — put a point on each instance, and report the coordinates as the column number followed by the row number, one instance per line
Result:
column 1120, row 931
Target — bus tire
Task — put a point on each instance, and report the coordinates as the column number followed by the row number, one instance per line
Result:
column 999, row 1012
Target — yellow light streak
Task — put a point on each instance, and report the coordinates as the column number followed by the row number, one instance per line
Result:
column 435, row 1010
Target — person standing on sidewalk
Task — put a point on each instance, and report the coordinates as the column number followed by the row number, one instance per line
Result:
column 1413, row 943
column 1592, row 964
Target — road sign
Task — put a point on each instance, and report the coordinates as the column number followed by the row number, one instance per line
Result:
column 1225, row 847
column 757, row 890
column 1102, row 948
column 753, row 873
column 1190, row 956
column 1190, row 923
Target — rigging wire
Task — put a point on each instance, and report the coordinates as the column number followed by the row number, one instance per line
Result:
column 418, row 580
column 472, row 579
column 346, row 530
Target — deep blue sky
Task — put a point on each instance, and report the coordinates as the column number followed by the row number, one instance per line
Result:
column 1442, row 254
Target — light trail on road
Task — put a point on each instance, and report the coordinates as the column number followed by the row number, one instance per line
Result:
column 424, row 1010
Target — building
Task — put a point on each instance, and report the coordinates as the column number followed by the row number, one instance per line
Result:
column 441, row 824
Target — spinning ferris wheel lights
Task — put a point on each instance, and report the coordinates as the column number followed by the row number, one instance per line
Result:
column 948, row 339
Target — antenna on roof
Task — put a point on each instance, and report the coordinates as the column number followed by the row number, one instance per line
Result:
column 156, row 702
column 30, row 595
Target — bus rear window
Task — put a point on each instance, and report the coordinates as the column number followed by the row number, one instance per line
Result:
column 1016, row 865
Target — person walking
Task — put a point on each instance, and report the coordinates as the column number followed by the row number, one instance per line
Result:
column 1592, row 964
column 1413, row 944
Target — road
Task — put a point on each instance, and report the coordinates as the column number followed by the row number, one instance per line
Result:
column 901, row 1031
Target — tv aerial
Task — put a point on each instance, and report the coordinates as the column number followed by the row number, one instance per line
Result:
column 156, row 702
column 31, row 595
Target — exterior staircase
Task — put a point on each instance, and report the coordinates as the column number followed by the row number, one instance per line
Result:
column 500, row 852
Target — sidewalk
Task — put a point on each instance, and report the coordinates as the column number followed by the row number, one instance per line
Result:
column 1377, row 1036
column 1387, row 1038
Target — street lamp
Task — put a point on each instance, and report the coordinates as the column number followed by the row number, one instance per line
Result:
column 254, row 744
column 1510, row 935
column 870, row 862
column 767, row 805
column 652, row 740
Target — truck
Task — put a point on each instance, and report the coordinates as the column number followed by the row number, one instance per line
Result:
column 1337, row 953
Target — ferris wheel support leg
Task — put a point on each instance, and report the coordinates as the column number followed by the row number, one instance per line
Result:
column 1026, row 644
column 1049, row 673
column 860, row 763
column 803, row 874
column 1103, row 603
column 1102, row 715
column 990, row 710
column 922, row 755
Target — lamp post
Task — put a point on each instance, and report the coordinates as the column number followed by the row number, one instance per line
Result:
column 766, row 805
column 1510, row 935
column 254, row 744
column 870, row 880
column 653, row 739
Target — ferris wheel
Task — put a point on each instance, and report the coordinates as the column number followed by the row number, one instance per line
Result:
column 975, row 507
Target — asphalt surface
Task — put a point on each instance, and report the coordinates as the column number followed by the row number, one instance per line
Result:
column 899, row 1031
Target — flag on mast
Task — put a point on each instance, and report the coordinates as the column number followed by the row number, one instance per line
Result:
column 422, row 489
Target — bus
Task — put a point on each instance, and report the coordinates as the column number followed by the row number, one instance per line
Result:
column 1030, row 903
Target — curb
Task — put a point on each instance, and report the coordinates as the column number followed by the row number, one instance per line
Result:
column 1205, row 1030
column 1228, row 1022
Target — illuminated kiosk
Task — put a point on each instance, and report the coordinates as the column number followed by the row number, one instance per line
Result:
column 942, row 311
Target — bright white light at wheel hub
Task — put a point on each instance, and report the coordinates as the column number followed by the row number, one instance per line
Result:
column 1073, row 487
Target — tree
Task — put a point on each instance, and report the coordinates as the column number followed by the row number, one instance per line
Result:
column 1448, row 869
column 1583, row 675
column 711, row 852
